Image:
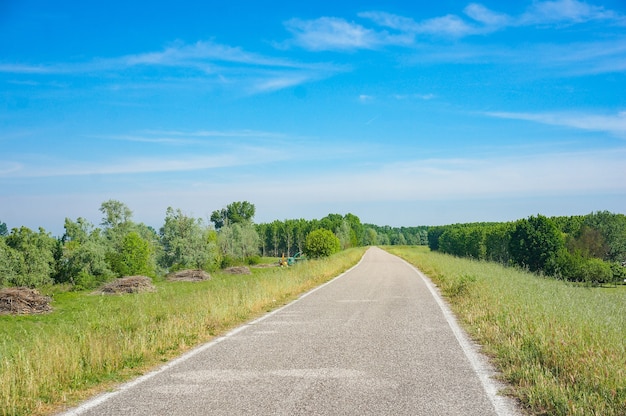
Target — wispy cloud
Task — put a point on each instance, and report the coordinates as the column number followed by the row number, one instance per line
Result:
column 175, row 137
column 136, row 165
column 613, row 123
column 424, row 97
column 332, row 33
column 564, row 11
column 205, row 60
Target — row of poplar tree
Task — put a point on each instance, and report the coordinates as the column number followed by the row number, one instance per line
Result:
column 585, row 248
column 88, row 255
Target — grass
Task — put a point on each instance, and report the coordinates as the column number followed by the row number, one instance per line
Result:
column 90, row 342
column 561, row 347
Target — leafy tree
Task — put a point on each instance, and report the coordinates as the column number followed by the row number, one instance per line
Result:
column 343, row 234
column 535, row 244
column 612, row 227
column 357, row 231
column 185, row 242
column 235, row 212
column 321, row 243
column 38, row 253
column 133, row 257
column 3, row 229
column 589, row 242
column 238, row 241
column 371, row 237
column 497, row 240
column 84, row 249
column 11, row 265
column 115, row 213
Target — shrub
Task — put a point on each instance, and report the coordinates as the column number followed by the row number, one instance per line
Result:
column 321, row 243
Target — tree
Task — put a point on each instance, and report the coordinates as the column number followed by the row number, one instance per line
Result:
column 11, row 264
column 321, row 243
column 185, row 242
column 116, row 214
column 133, row 257
column 3, row 229
column 371, row 237
column 84, row 255
column 343, row 234
column 235, row 212
column 535, row 244
column 238, row 241
column 37, row 251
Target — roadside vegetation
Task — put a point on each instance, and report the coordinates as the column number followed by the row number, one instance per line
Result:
column 559, row 341
column 588, row 249
column 92, row 341
column 561, row 346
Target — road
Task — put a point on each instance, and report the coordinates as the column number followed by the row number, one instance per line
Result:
column 374, row 341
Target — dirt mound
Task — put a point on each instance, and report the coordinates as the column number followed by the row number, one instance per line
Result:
column 22, row 301
column 237, row 270
column 130, row 284
column 189, row 276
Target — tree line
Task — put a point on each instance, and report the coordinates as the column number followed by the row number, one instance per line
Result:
column 87, row 255
column 586, row 248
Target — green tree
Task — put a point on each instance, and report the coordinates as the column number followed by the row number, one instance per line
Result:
column 116, row 214
column 38, row 253
column 84, row 250
column 371, row 237
column 343, row 233
column 612, row 227
column 238, row 241
column 185, row 242
column 535, row 244
column 321, row 243
column 235, row 212
column 3, row 229
column 11, row 265
column 133, row 257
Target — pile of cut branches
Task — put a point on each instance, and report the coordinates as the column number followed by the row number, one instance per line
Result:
column 130, row 284
column 23, row 301
column 195, row 275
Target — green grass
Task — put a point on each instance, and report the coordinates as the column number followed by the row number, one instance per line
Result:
column 91, row 342
column 562, row 348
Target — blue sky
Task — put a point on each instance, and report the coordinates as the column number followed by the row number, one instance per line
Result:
column 398, row 112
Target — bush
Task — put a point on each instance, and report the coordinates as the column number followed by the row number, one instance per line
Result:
column 577, row 268
column 321, row 243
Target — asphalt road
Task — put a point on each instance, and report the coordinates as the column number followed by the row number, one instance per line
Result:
column 375, row 341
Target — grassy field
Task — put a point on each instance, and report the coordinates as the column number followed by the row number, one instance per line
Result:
column 91, row 342
column 561, row 347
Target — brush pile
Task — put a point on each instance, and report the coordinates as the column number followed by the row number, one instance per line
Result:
column 130, row 284
column 237, row 270
column 195, row 275
column 23, row 301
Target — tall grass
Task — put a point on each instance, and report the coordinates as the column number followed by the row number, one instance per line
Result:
column 90, row 342
column 561, row 347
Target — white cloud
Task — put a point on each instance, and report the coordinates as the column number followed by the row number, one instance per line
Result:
column 564, row 11
column 331, row 33
column 140, row 165
column 489, row 18
column 201, row 62
column 614, row 123
column 484, row 20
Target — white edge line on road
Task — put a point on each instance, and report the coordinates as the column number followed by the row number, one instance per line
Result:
column 96, row 401
column 501, row 404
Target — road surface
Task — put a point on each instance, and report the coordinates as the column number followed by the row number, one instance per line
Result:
column 375, row 341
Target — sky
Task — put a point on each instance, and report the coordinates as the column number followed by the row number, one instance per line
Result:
column 402, row 113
